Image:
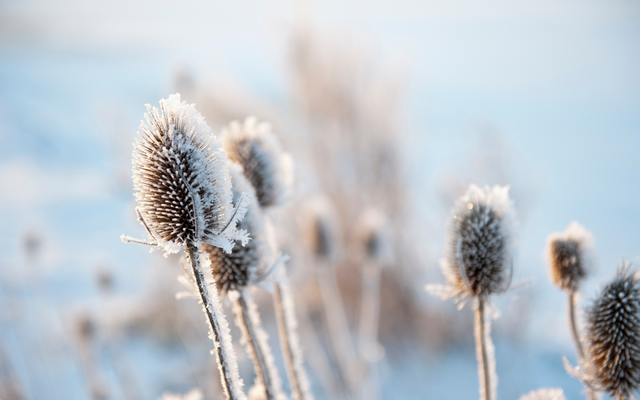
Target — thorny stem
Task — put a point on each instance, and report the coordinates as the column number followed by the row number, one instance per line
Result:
column 336, row 326
column 287, row 337
column 573, row 297
column 257, row 355
column 212, row 319
column 481, row 350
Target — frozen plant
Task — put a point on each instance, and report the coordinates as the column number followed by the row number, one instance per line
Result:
column 237, row 271
column 478, row 264
column 612, row 353
column 544, row 394
column 568, row 256
column 269, row 170
column 253, row 145
column 183, row 190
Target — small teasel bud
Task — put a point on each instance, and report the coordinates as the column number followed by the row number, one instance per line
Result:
column 568, row 256
column 319, row 228
column 613, row 337
column 544, row 394
column 182, row 180
column 254, row 146
column 245, row 265
column 477, row 259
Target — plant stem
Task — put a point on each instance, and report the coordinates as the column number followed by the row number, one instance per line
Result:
column 575, row 336
column 289, row 341
column 481, row 350
column 244, row 322
column 227, row 364
column 337, row 328
column 369, row 319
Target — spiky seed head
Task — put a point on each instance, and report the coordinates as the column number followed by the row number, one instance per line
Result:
column 544, row 394
column 254, row 146
column 244, row 265
column 319, row 228
column 613, row 336
column 373, row 235
column 477, row 259
column 568, row 256
column 181, row 178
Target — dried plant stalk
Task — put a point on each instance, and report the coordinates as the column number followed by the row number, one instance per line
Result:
column 369, row 319
column 290, row 342
column 483, row 348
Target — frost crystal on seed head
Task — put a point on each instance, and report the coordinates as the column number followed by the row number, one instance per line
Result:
column 613, row 336
column 477, row 254
column 567, row 256
column 245, row 264
column 254, row 146
column 181, row 179
column 544, row 394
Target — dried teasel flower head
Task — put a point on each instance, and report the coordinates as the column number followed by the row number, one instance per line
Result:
column 568, row 256
column 477, row 255
column 253, row 145
column 613, row 336
column 245, row 265
column 318, row 224
column 544, row 394
column 182, row 181
column 372, row 233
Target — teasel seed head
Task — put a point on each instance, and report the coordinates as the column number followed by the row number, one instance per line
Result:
column 319, row 228
column 253, row 145
column 613, row 336
column 181, row 179
column 245, row 265
column 568, row 256
column 544, row 394
column 373, row 235
column 477, row 256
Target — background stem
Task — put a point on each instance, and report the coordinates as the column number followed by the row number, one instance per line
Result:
column 369, row 319
column 481, row 350
column 573, row 299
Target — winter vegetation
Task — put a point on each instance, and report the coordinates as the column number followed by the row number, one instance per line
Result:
column 246, row 245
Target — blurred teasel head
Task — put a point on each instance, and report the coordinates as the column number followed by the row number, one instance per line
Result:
column 319, row 228
column 245, row 265
column 181, row 179
column 568, row 256
column 256, row 148
column 613, row 337
column 373, row 236
column 477, row 256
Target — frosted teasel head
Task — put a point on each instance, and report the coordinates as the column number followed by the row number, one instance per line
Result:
column 477, row 256
column 373, row 235
column 249, row 264
column 544, row 394
column 182, row 182
column 569, row 256
column 319, row 228
column 253, row 145
column 613, row 337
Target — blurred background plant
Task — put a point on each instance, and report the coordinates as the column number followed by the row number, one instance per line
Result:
column 392, row 106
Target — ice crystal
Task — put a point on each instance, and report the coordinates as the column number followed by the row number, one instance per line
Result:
column 613, row 337
column 567, row 256
column 544, row 394
column 244, row 265
column 254, row 146
column 477, row 254
column 181, row 178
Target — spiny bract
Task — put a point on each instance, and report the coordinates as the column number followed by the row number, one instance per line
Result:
column 254, row 146
column 245, row 264
column 477, row 254
column 613, row 337
column 181, row 179
column 567, row 256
